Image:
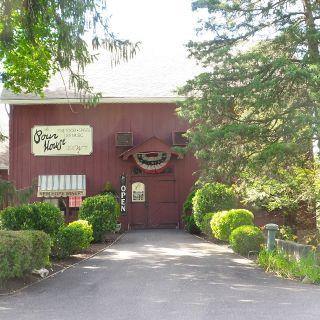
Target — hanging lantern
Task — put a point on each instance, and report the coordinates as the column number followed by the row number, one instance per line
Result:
column 152, row 162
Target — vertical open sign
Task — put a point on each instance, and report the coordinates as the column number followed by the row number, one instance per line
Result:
column 123, row 195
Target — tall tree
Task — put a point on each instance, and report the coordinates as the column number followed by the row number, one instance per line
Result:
column 41, row 37
column 256, row 109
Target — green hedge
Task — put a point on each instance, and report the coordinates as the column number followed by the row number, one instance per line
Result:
column 245, row 239
column 187, row 205
column 228, row 221
column 212, row 197
column 190, row 225
column 22, row 251
column 206, row 224
column 101, row 212
column 72, row 239
column 36, row 216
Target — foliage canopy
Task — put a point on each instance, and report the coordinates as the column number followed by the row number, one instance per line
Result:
column 41, row 37
column 258, row 103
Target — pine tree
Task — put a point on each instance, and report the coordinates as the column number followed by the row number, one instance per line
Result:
column 256, row 109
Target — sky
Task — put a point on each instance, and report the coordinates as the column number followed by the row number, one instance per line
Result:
column 159, row 25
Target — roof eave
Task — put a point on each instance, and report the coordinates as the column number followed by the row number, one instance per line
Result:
column 21, row 101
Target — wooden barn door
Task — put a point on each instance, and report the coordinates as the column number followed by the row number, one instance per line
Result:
column 159, row 210
column 162, row 205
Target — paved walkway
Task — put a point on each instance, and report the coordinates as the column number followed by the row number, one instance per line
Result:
column 164, row 274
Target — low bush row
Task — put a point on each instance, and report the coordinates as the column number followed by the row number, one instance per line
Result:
column 212, row 213
column 22, row 251
column 36, row 216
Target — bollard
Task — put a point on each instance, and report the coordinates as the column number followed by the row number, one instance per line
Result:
column 272, row 229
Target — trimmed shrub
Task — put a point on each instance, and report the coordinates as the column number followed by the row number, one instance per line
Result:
column 72, row 239
column 190, row 225
column 215, row 222
column 41, row 246
column 87, row 231
column 245, row 239
column 22, row 251
column 187, row 205
column 212, row 197
column 206, row 224
column 36, row 216
column 230, row 220
column 101, row 212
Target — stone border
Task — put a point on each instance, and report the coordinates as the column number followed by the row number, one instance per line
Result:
column 296, row 250
column 64, row 269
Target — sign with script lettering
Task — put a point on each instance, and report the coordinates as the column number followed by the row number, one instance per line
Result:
column 123, row 195
column 73, row 140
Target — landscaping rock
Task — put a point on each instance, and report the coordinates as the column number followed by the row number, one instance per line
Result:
column 307, row 280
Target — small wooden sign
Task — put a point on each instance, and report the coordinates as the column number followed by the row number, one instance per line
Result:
column 75, row 202
column 123, row 195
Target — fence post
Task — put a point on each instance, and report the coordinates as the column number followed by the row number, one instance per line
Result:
column 272, row 229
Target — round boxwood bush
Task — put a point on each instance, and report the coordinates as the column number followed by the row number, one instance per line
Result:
column 102, row 212
column 245, row 239
column 212, row 197
column 73, row 238
column 230, row 220
column 215, row 222
column 36, row 216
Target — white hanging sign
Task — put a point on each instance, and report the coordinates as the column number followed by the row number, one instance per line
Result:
column 73, row 140
column 138, row 192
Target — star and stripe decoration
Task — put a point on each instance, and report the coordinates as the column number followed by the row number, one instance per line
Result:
column 152, row 162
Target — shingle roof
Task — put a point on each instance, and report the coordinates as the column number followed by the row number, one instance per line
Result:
column 151, row 74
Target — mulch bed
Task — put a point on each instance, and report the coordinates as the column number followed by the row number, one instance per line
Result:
column 13, row 285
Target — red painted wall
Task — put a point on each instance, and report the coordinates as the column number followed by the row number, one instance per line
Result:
column 144, row 120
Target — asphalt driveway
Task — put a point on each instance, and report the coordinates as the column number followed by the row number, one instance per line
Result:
column 164, row 274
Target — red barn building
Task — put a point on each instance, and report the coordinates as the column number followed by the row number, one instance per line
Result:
column 127, row 141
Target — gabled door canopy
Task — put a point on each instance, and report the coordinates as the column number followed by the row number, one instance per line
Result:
column 152, row 144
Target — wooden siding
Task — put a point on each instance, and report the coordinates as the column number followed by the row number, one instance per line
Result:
column 144, row 120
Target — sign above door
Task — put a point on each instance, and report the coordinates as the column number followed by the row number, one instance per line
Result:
column 69, row 140
column 151, row 156
column 152, row 162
